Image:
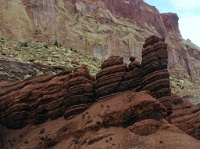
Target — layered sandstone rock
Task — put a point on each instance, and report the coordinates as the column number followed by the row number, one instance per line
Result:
column 132, row 78
column 109, row 78
column 115, row 76
column 33, row 100
column 47, row 97
column 80, row 88
column 155, row 76
column 185, row 116
column 137, row 121
column 139, row 109
column 132, row 113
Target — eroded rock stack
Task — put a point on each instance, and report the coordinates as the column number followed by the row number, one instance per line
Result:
column 133, row 76
column 154, row 67
column 116, row 77
column 109, row 78
column 80, row 90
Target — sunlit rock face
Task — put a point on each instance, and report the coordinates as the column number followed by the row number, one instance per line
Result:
column 181, row 60
column 98, row 28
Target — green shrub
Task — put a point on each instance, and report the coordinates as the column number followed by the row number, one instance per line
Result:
column 42, row 131
column 56, row 43
column 24, row 44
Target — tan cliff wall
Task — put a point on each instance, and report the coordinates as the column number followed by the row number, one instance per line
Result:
column 98, row 28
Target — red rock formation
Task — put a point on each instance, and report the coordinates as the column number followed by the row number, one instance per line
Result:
column 154, row 67
column 68, row 94
column 132, row 78
column 80, row 88
column 171, row 22
column 193, row 52
column 139, row 122
column 179, row 53
column 138, row 11
column 109, row 78
column 186, row 116
column 141, row 109
column 46, row 97
column 32, row 101
column 116, row 77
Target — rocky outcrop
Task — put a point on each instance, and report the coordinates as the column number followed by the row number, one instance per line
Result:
column 115, row 76
column 125, row 120
column 32, row 101
column 47, row 97
column 141, row 109
column 47, row 104
column 186, row 116
column 75, row 96
column 109, row 78
column 154, row 67
column 170, row 21
column 80, row 91
column 132, row 78
column 138, row 11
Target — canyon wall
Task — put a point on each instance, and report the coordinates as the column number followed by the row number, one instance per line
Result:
column 99, row 29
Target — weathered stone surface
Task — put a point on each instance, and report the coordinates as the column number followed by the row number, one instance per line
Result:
column 186, row 116
column 80, row 92
column 126, row 120
column 132, row 78
column 46, row 97
column 116, row 76
column 140, row 109
column 109, row 78
column 180, row 58
column 73, row 110
column 112, row 61
column 68, row 94
column 110, row 70
column 154, row 67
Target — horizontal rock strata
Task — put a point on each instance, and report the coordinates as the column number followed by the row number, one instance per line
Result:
column 186, row 116
column 109, row 78
column 115, row 76
column 34, row 101
column 47, row 97
column 154, row 67
column 80, row 89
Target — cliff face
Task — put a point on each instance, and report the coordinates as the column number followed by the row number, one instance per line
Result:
column 99, row 28
column 181, row 61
